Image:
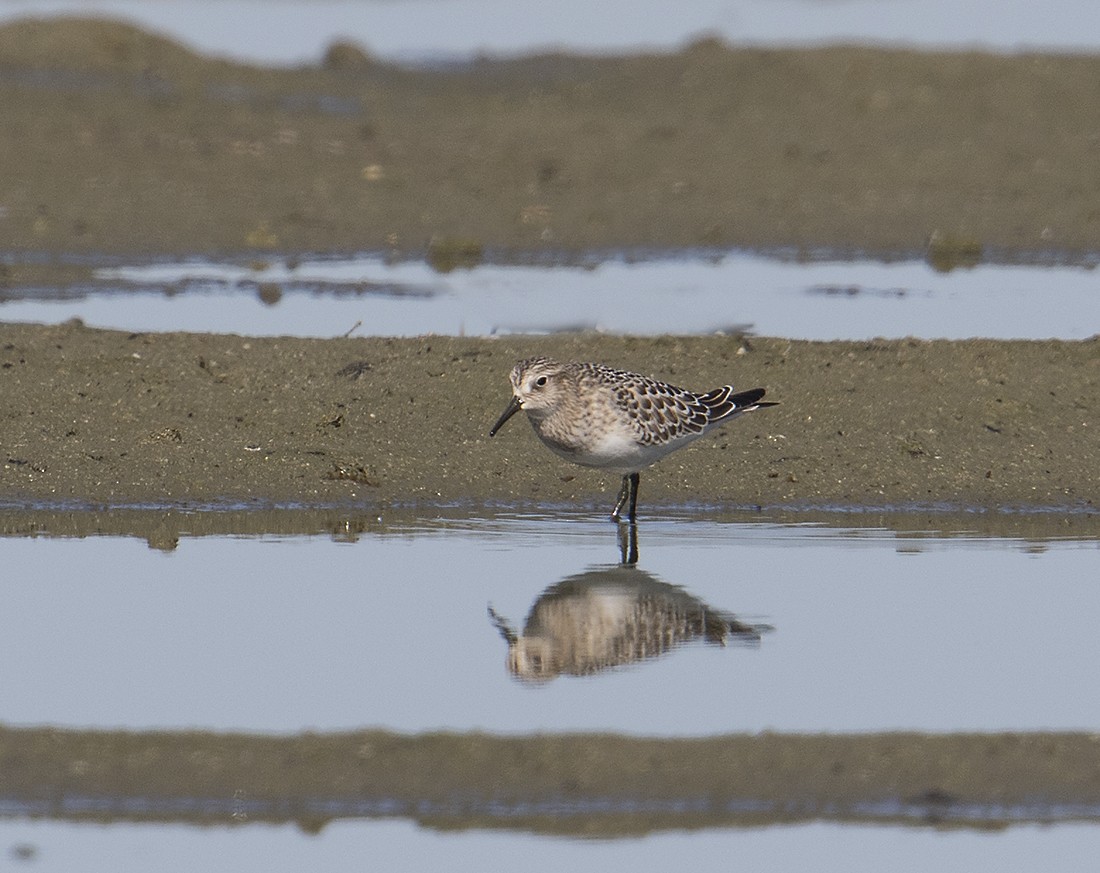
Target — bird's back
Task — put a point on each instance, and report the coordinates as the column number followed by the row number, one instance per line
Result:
column 661, row 413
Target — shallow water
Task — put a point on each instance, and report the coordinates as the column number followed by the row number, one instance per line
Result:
column 386, row 623
column 732, row 293
column 400, row 846
column 937, row 633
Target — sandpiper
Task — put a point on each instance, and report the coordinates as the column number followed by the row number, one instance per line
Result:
column 600, row 417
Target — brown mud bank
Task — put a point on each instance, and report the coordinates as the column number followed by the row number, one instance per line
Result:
column 118, row 141
column 103, row 418
column 599, row 785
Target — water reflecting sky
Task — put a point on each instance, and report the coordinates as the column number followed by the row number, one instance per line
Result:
column 400, row 846
column 871, row 631
column 738, row 291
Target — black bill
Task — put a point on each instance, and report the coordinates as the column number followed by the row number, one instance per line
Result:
column 513, row 407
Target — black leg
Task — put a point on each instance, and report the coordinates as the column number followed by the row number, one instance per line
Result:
column 628, row 494
column 624, row 494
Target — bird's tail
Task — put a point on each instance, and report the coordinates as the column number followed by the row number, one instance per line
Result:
column 724, row 402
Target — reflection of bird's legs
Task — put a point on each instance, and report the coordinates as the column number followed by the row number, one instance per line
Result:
column 628, row 544
column 628, row 493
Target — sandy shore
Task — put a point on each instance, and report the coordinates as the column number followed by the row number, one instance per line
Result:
column 571, row 784
column 103, row 417
column 118, row 141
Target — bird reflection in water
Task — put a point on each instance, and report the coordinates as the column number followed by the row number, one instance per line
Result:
column 612, row 616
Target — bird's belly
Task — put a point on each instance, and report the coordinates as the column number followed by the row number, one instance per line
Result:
column 616, row 451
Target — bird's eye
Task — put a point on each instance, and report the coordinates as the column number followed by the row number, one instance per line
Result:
column 540, row 381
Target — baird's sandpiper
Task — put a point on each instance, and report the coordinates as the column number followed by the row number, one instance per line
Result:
column 599, row 417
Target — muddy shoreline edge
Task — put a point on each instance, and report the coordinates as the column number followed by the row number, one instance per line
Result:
column 596, row 785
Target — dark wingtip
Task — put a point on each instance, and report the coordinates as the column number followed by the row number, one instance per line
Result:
column 721, row 403
column 747, row 398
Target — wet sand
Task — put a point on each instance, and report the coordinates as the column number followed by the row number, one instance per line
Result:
column 118, row 141
column 106, row 418
column 594, row 785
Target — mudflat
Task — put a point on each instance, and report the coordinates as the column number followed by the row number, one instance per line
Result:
column 116, row 140
column 115, row 418
column 575, row 785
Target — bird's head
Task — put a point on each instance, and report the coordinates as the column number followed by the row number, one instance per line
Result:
column 537, row 389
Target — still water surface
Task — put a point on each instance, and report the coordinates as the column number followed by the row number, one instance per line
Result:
column 400, row 846
column 871, row 630
column 733, row 292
